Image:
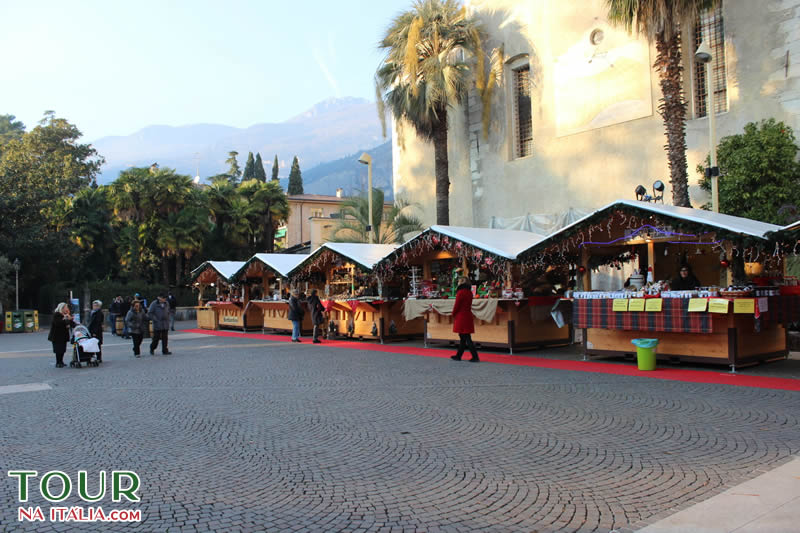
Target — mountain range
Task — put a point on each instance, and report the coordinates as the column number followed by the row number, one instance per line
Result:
column 327, row 139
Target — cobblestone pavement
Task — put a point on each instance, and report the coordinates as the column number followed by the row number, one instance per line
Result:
column 245, row 435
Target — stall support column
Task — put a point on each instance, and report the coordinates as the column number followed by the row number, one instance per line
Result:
column 651, row 259
column 509, row 283
column 586, row 277
column 200, row 295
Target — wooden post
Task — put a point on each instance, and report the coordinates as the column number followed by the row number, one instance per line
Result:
column 586, row 277
column 509, row 281
column 245, row 294
column 464, row 267
column 651, row 260
column 426, row 270
column 200, row 295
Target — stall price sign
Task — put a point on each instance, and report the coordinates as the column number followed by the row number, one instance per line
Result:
column 718, row 305
column 620, row 304
column 744, row 305
column 698, row 305
column 636, row 304
column 653, row 305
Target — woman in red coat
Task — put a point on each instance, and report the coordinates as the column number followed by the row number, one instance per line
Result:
column 463, row 323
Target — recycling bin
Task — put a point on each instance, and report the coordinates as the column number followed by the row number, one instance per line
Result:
column 30, row 320
column 17, row 322
column 645, row 353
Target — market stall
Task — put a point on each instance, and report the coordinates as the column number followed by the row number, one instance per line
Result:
column 263, row 279
column 225, row 308
column 702, row 282
column 357, row 304
column 509, row 314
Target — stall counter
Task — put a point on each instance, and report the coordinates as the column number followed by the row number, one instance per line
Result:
column 728, row 338
column 513, row 325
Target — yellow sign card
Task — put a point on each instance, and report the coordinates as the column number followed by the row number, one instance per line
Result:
column 697, row 305
column 636, row 304
column 718, row 305
column 620, row 304
column 744, row 305
column 653, row 304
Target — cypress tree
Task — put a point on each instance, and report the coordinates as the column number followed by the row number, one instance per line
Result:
column 295, row 178
column 249, row 168
column 275, row 169
column 233, row 171
column 260, row 175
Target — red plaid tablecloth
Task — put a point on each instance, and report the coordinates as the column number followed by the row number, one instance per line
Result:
column 674, row 317
column 783, row 309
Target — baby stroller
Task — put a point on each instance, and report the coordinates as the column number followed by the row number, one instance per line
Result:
column 84, row 348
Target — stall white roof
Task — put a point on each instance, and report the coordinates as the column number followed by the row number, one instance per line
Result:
column 365, row 254
column 226, row 269
column 502, row 242
column 280, row 263
column 744, row 226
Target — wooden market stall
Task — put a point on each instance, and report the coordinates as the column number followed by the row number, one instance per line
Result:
column 226, row 309
column 263, row 278
column 357, row 304
column 507, row 314
column 716, row 322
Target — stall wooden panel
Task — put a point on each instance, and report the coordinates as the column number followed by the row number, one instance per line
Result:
column 206, row 318
column 276, row 317
column 233, row 315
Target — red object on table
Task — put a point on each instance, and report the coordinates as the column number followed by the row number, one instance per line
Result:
column 543, row 300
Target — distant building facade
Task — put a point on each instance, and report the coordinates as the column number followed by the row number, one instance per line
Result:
column 575, row 122
column 313, row 218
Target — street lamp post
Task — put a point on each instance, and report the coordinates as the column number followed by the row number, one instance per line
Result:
column 703, row 55
column 367, row 160
column 17, row 264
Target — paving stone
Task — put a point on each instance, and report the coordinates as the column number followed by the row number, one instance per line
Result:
column 251, row 436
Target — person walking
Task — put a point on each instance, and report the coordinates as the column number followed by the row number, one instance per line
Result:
column 114, row 310
column 296, row 314
column 317, row 315
column 136, row 322
column 173, row 308
column 159, row 316
column 59, row 332
column 463, row 322
column 125, row 307
column 96, row 326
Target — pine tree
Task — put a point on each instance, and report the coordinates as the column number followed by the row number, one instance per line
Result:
column 295, row 179
column 260, row 175
column 249, row 168
column 275, row 169
column 233, row 171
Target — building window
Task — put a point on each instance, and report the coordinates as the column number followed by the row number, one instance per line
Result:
column 523, row 121
column 710, row 27
column 317, row 212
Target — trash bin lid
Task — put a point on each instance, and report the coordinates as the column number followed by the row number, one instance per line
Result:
column 645, row 343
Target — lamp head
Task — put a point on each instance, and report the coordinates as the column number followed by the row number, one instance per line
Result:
column 365, row 158
column 703, row 53
column 658, row 186
column 17, row 263
column 640, row 191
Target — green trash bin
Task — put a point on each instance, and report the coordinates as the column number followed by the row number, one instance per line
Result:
column 29, row 322
column 646, row 353
column 17, row 322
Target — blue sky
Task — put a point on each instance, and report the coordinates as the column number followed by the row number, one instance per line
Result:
column 112, row 67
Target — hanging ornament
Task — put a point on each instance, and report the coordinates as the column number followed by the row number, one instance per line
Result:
column 582, row 269
column 724, row 263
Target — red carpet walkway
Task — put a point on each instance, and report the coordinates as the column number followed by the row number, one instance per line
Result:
column 673, row 374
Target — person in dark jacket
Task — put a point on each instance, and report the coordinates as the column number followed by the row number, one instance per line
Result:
column 59, row 332
column 136, row 323
column 159, row 316
column 317, row 315
column 296, row 314
column 114, row 310
column 173, row 308
column 125, row 307
column 96, row 326
column 463, row 323
column 686, row 280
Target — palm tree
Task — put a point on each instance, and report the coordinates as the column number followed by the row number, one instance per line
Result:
column 269, row 206
column 391, row 228
column 425, row 73
column 660, row 21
